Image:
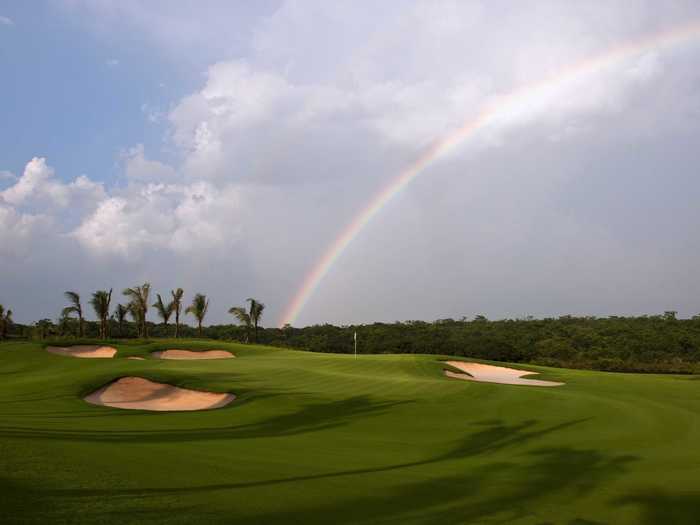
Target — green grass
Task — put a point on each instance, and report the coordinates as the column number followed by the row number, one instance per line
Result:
column 317, row 438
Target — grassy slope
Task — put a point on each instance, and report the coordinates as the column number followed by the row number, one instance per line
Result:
column 317, row 438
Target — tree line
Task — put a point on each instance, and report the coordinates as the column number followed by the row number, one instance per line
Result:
column 116, row 323
column 655, row 343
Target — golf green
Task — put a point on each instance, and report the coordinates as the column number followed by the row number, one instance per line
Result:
column 320, row 438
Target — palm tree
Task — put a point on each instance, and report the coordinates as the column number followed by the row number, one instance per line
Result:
column 256, row 310
column 164, row 310
column 63, row 324
column 5, row 321
column 75, row 308
column 239, row 312
column 133, row 309
column 198, row 308
column 120, row 315
column 139, row 301
column 100, row 303
column 177, row 308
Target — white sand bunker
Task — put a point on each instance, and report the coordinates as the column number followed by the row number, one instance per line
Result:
column 137, row 393
column 135, row 358
column 189, row 354
column 94, row 351
column 494, row 374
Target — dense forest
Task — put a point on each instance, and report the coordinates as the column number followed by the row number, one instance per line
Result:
column 661, row 343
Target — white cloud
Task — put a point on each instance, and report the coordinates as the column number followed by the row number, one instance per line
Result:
column 38, row 188
column 5, row 21
column 34, row 179
column 20, row 232
column 112, row 62
column 155, row 211
column 153, row 217
column 138, row 168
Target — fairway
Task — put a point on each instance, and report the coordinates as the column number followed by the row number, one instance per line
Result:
column 320, row 438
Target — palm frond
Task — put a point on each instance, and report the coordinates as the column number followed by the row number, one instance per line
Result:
column 120, row 312
column 199, row 306
column 69, row 310
column 100, row 303
column 256, row 309
column 241, row 314
column 164, row 311
column 74, row 298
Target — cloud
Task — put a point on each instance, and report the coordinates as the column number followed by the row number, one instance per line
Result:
column 138, row 168
column 6, row 176
column 577, row 199
column 5, row 21
column 186, row 32
column 177, row 218
column 112, row 62
column 19, row 232
column 38, row 188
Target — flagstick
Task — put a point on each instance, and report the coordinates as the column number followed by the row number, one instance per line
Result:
column 355, row 336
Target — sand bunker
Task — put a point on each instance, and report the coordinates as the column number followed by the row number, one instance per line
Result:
column 137, row 393
column 136, row 358
column 494, row 374
column 189, row 354
column 94, row 351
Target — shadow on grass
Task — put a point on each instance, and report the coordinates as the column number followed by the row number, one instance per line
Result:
column 656, row 506
column 312, row 417
column 500, row 492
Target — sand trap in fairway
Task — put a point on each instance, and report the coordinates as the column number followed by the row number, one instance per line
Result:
column 137, row 393
column 136, row 358
column 494, row 374
column 95, row 351
column 189, row 354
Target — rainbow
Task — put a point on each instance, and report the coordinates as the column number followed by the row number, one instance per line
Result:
column 516, row 101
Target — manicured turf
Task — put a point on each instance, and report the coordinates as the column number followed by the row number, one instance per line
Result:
column 326, row 439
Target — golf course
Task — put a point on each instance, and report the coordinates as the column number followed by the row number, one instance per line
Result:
column 323, row 438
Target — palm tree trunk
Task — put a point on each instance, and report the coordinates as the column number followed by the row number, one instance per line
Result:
column 199, row 323
column 81, row 328
column 177, row 324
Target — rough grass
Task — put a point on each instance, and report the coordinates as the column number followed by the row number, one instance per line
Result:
column 319, row 438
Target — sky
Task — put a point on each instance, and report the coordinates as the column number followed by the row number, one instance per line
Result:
column 222, row 147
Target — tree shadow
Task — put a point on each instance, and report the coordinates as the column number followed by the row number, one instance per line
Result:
column 459, row 490
column 657, row 506
column 312, row 417
column 477, row 495
column 472, row 493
